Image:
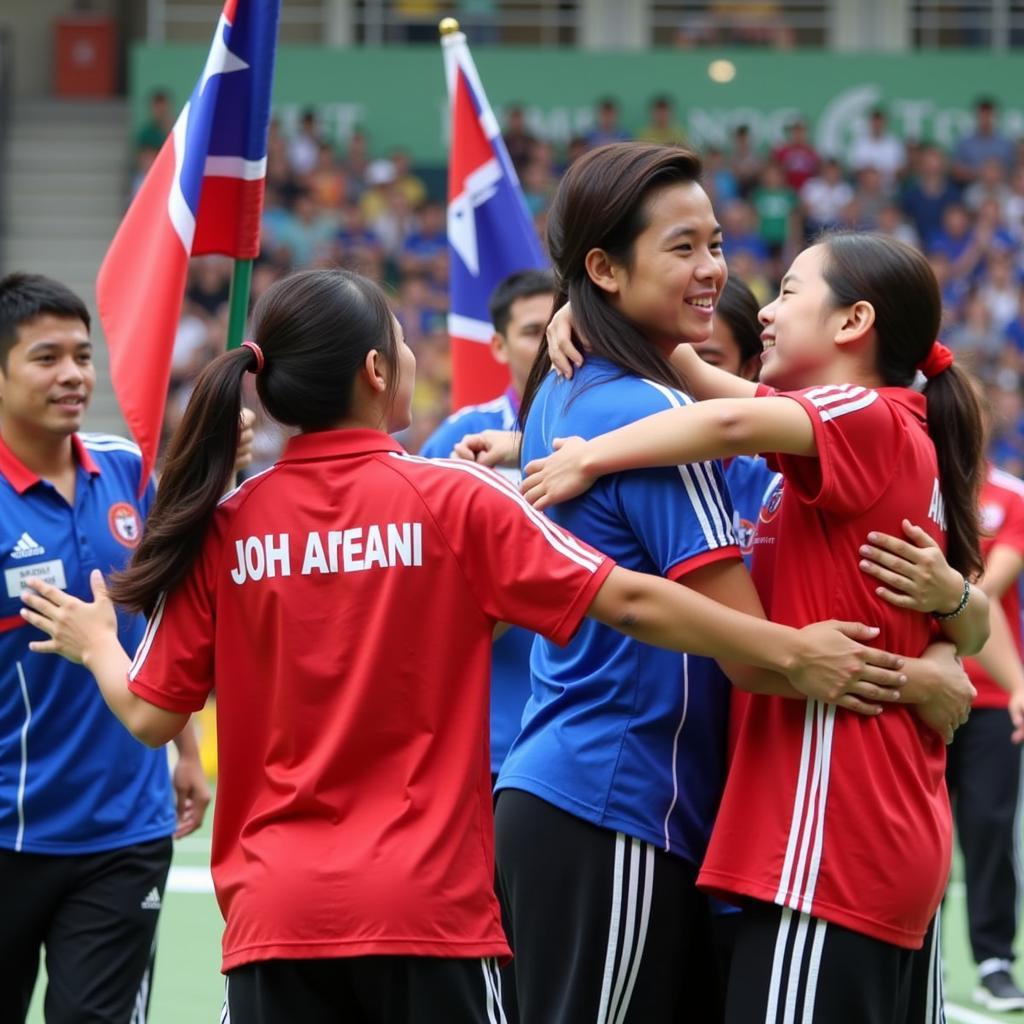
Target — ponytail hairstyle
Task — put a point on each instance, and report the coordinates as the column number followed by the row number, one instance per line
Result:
column 314, row 330
column 602, row 203
column 899, row 283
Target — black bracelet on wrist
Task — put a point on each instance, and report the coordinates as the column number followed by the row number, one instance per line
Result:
column 959, row 609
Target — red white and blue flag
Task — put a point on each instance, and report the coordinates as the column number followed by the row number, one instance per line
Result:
column 490, row 231
column 203, row 194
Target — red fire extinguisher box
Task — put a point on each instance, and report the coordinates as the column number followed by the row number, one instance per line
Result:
column 85, row 61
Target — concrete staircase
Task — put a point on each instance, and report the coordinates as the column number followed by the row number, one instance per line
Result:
column 67, row 169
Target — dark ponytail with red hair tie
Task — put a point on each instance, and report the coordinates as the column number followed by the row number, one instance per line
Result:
column 938, row 360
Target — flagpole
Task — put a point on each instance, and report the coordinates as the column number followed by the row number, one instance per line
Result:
column 238, row 302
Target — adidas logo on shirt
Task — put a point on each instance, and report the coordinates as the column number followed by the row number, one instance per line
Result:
column 27, row 547
column 152, row 900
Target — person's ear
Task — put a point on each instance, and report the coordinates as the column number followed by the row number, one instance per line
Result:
column 375, row 371
column 602, row 271
column 499, row 348
column 857, row 323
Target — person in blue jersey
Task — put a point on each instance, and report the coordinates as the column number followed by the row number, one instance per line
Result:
column 86, row 811
column 607, row 797
column 520, row 310
column 735, row 346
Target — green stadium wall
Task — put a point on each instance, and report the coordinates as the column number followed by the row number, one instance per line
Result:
column 397, row 93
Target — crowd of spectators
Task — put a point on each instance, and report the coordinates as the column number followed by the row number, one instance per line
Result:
column 375, row 213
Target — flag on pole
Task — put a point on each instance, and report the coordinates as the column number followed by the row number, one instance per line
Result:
column 203, row 194
column 490, row 231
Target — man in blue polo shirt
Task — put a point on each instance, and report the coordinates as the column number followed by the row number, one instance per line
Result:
column 86, row 811
column 520, row 309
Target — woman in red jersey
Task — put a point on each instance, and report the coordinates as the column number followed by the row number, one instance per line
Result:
column 353, row 854
column 834, row 831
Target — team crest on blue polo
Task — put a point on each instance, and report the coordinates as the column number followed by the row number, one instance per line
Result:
column 771, row 506
column 125, row 523
column 744, row 530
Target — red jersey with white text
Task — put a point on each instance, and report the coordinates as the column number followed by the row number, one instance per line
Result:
column 825, row 811
column 343, row 606
column 1002, row 525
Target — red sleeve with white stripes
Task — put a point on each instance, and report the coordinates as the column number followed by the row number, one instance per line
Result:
column 858, row 436
column 173, row 667
column 520, row 566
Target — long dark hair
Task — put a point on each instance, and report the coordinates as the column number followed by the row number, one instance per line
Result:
column 315, row 329
column 899, row 283
column 738, row 307
column 602, row 203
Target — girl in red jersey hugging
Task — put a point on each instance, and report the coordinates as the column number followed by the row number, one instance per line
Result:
column 353, row 853
column 820, row 805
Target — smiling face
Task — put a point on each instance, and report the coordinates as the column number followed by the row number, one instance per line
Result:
column 48, row 378
column 801, row 327
column 677, row 270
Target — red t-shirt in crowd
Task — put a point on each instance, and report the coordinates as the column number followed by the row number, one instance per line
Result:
column 799, row 161
column 1002, row 524
column 825, row 811
column 343, row 606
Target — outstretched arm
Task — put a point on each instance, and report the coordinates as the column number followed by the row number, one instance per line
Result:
column 824, row 660
column 692, row 433
column 706, row 381
column 702, row 380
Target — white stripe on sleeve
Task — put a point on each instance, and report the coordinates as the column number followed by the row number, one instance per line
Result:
column 147, row 638
column 564, row 543
column 837, row 394
column 706, row 506
column 842, row 410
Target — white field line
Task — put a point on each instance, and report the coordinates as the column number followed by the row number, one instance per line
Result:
column 189, row 879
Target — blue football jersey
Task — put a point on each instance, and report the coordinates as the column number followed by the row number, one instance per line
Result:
column 510, row 660
column 72, row 778
column 621, row 734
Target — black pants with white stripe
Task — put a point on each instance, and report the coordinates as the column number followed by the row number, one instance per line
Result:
column 365, row 990
column 605, row 929
column 791, row 968
column 983, row 772
column 96, row 915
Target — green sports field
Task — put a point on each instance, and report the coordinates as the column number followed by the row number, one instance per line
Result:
column 188, row 988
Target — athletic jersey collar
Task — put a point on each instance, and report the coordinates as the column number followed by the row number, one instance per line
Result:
column 21, row 478
column 326, row 444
